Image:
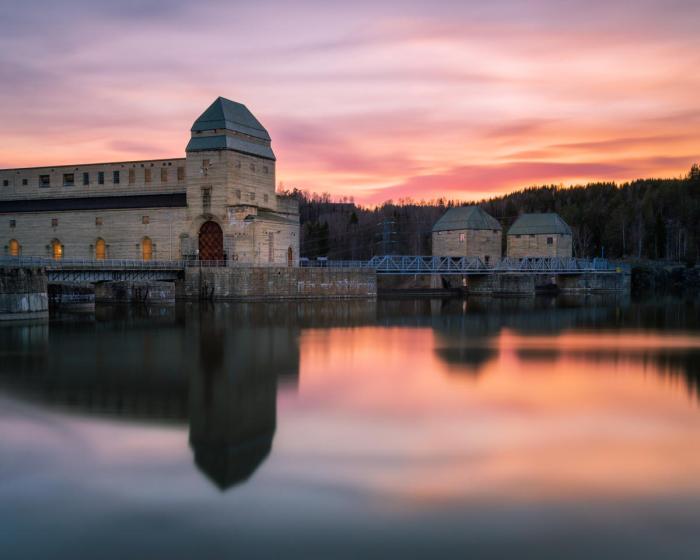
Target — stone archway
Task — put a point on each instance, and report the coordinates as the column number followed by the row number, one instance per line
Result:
column 211, row 242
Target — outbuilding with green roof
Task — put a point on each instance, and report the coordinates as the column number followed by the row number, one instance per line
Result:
column 539, row 235
column 467, row 231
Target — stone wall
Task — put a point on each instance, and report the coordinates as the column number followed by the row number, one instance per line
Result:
column 277, row 283
column 538, row 245
column 135, row 292
column 23, row 293
column 78, row 232
column 133, row 179
column 482, row 243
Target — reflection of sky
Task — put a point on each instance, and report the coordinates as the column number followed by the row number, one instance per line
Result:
column 386, row 446
column 372, row 99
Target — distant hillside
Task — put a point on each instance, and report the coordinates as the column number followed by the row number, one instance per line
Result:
column 646, row 218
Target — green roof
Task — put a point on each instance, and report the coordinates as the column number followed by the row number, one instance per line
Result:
column 532, row 224
column 466, row 217
column 230, row 115
column 223, row 142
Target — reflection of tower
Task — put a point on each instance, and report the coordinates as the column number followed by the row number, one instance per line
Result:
column 232, row 400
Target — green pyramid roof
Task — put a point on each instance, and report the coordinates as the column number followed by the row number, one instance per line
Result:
column 466, row 217
column 230, row 115
column 225, row 114
column 533, row 224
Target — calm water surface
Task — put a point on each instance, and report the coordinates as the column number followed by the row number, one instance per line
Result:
column 412, row 428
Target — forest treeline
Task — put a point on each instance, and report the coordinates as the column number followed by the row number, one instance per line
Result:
column 646, row 218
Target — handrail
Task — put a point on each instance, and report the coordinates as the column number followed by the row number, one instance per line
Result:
column 396, row 264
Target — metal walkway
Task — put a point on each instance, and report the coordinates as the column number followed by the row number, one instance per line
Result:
column 408, row 265
column 81, row 270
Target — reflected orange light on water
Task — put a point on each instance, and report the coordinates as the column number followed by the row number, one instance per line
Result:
column 566, row 417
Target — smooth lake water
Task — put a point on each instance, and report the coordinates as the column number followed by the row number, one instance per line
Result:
column 547, row 428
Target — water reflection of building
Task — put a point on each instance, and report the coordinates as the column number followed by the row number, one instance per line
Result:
column 215, row 369
column 233, row 393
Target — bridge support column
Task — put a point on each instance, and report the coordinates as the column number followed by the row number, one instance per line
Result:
column 23, row 294
column 502, row 284
column 591, row 282
column 135, row 292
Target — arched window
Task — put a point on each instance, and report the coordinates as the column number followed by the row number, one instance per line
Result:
column 56, row 250
column 100, row 249
column 14, row 248
column 146, row 249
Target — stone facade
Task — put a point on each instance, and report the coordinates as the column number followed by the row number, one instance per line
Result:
column 467, row 231
column 482, row 243
column 539, row 245
column 217, row 203
column 277, row 283
column 23, row 293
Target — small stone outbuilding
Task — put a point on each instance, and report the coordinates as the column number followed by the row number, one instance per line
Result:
column 539, row 235
column 467, row 231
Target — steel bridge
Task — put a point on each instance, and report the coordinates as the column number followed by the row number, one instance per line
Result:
column 464, row 266
column 90, row 271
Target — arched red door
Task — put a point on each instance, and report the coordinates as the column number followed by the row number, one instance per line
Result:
column 211, row 242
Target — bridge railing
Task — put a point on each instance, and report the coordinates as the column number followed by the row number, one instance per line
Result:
column 403, row 264
column 388, row 264
column 108, row 264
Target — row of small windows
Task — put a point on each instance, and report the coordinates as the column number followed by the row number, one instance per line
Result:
column 98, row 221
column 57, row 249
column 69, row 179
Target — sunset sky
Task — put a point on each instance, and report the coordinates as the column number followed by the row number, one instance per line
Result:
column 376, row 100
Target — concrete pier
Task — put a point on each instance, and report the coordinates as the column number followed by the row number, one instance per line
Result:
column 135, row 292
column 23, row 294
column 258, row 283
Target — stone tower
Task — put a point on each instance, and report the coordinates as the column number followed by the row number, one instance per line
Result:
column 233, row 210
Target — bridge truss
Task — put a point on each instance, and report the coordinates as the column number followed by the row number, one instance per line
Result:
column 83, row 270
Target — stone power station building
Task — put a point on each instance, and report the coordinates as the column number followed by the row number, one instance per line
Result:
column 468, row 231
column 218, row 203
column 539, row 235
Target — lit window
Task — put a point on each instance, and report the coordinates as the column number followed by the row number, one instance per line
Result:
column 100, row 177
column 100, row 249
column 86, row 178
column 146, row 249
column 115, row 177
column 44, row 180
column 56, row 249
column 462, row 237
column 68, row 179
column 14, row 248
column 145, row 220
column 132, row 176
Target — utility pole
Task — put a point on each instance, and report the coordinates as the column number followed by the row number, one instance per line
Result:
column 386, row 241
